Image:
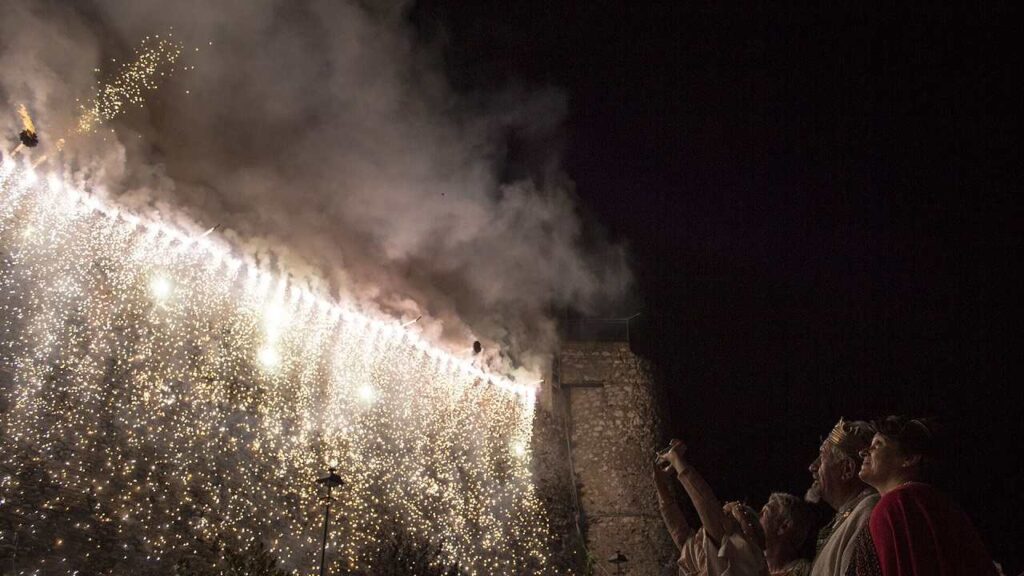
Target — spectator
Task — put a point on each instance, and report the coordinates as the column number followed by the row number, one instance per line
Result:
column 786, row 521
column 837, row 483
column 720, row 547
column 915, row 529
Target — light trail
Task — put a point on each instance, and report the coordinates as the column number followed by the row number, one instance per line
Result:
column 173, row 394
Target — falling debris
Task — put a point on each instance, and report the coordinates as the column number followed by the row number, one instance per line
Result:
column 28, row 139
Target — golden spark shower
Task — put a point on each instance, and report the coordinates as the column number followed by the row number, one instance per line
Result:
column 153, row 59
column 163, row 398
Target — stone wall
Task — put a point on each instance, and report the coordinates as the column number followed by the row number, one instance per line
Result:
column 604, row 395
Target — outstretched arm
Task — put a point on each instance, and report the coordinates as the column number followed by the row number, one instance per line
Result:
column 704, row 500
column 675, row 522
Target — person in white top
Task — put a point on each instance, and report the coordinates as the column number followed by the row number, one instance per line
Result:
column 720, row 547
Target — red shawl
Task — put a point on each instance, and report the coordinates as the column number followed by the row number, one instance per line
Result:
column 918, row 531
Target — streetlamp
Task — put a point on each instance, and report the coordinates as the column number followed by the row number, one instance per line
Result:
column 619, row 559
column 332, row 480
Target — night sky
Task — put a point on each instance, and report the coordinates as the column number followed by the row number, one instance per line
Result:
column 822, row 211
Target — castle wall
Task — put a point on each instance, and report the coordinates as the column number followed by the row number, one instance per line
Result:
column 607, row 403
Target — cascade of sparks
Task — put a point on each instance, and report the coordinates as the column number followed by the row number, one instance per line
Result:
column 154, row 58
column 159, row 395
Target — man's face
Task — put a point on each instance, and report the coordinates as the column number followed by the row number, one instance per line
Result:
column 828, row 473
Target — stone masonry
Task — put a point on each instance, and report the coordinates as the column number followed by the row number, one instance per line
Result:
column 606, row 399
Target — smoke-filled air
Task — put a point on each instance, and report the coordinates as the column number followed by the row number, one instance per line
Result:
column 243, row 241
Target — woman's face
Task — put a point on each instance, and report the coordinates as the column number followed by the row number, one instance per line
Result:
column 883, row 461
column 770, row 516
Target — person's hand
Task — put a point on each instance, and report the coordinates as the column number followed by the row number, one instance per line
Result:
column 661, row 473
column 676, row 451
column 747, row 519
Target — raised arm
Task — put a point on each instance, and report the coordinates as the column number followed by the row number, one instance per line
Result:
column 671, row 513
column 704, row 500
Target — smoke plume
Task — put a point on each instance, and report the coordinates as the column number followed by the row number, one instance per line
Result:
column 322, row 137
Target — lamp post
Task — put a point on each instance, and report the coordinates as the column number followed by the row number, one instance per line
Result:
column 332, row 480
column 619, row 559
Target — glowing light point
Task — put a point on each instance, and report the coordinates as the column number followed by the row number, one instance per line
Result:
column 161, row 288
column 519, row 449
column 275, row 318
column 367, row 394
column 54, row 183
column 269, row 357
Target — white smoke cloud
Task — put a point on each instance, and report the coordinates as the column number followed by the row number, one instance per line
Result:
column 323, row 137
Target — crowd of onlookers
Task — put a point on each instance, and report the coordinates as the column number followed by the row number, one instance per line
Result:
column 889, row 519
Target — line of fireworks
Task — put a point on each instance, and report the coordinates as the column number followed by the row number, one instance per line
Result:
column 232, row 265
column 206, row 386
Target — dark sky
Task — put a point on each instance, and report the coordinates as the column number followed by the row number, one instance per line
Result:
column 822, row 209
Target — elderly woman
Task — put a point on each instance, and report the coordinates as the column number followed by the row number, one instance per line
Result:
column 786, row 522
column 915, row 530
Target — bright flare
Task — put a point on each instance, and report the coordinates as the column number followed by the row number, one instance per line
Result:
column 367, row 394
column 269, row 357
column 162, row 288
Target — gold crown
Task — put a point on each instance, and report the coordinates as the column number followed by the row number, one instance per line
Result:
column 850, row 438
column 838, row 435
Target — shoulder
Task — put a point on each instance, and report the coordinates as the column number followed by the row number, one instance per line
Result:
column 801, row 567
column 869, row 501
column 862, row 511
column 910, row 503
column 913, row 493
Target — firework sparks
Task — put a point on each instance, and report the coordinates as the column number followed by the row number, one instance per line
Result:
column 177, row 396
column 28, row 137
column 26, row 120
column 154, row 59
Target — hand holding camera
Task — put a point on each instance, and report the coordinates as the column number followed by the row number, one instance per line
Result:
column 672, row 456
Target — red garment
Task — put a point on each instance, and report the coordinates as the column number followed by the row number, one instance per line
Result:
column 919, row 531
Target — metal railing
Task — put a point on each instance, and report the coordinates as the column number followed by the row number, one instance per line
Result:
column 597, row 329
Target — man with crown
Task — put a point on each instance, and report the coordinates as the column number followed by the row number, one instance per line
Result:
column 836, row 481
